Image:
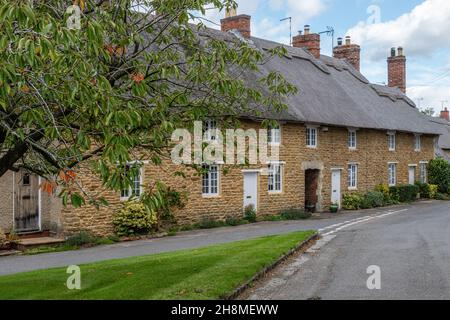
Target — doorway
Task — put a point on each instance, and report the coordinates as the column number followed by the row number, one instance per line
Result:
column 336, row 187
column 251, row 189
column 26, row 203
column 311, row 188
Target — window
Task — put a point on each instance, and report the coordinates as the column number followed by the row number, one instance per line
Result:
column 391, row 141
column 26, row 179
column 392, row 174
column 210, row 130
column 210, row 180
column 274, row 135
column 352, row 139
column 311, row 137
column 352, row 176
column 275, row 179
column 423, row 172
column 135, row 190
column 418, row 143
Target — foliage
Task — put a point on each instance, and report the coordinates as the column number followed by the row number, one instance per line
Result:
column 427, row 191
column 232, row 221
column 250, row 213
column 295, row 214
column 439, row 174
column 162, row 200
column 80, row 239
column 404, row 193
column 134, row 218
column 121, row 82
column 208, row 223
column 352, row 201
column 429, row 111
column 186, row 274
column 374, row 199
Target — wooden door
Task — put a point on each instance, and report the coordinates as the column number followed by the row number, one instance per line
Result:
column 26, row 208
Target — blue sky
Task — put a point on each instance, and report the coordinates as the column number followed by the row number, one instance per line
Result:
column 420, row 26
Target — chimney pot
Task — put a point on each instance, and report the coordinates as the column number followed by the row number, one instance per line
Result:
column 348, row 40
column 400, row 52
column 339, row 41
column 307, row 29
column 231, row 12
column 393, row 52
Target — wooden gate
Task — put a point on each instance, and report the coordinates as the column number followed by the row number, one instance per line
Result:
column 26, row 208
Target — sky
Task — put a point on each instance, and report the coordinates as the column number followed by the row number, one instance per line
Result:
column 422, row 27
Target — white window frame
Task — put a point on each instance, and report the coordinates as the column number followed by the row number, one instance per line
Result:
column 418, row 143
column 312, row 137
column 275, row 178
column 392, row 141
column 211, row 190
column 352, row 179
column 274, row 136
column 352, row 139
column 423, row 171
column 210, row 130
column 392, row 174
column 125, row 194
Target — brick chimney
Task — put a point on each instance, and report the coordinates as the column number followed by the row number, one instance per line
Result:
column 445, row 114
column 397, row 69
column 348, row 51
column 308, row 40
column 233, row 21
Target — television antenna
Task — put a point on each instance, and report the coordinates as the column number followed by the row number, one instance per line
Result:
column 329, row 32
column 290, row 28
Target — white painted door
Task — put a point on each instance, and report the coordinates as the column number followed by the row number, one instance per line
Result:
column 336, row 187
column 412, row 175
column 251, row 189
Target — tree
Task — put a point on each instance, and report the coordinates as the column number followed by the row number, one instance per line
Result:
column 428, row 111
column 439, row 174
column 101, row 80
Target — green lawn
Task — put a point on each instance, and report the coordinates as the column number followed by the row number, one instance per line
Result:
column 205, row 273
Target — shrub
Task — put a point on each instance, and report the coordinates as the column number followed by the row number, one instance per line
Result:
column 250, row 214
column 404, row 193
column 352, row 201
column 2, row 237
column 433, row 190
column 439, row 174
column 295, row 214
column 384, row 189
column 374, row 199
column 427, row 191
column 81, row 238
column 232, row 221
column 134, row 218
column 441, row 196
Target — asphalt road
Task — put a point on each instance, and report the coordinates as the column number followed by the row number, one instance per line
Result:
column 185, row 240
column 411, row 248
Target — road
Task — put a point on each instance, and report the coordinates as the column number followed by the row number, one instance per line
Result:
column 411, row 247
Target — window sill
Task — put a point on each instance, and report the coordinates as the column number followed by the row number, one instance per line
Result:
column 311, row 147
column 210, row 196
column 274, row 144
column 392, row 150
column 353, row 149
column 275, row 193
column 352, row 188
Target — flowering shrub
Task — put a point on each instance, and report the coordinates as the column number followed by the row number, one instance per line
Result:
column 134, row 218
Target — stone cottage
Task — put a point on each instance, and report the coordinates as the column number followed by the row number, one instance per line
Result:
column 340, row 134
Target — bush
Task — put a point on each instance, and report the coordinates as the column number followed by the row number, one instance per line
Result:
column 81, row 238
column 133, row 219
column 404, row 193
column 232, row 221
column 374, row 199
column 439, row 174
column 433, row 189
column 250, row 214
column 352, row 201
column 427, row 191
column 441, row 196
column 295, row 214
column 2, row 237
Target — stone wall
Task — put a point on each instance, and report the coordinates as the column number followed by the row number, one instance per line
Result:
column 372, row 156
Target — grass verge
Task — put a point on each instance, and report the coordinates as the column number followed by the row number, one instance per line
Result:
column 205, row 273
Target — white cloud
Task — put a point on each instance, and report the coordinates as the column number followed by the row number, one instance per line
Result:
column 420, row 31
column 432, row 96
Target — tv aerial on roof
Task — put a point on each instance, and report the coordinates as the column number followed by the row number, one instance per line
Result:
column 329, row 32
column 290, row 28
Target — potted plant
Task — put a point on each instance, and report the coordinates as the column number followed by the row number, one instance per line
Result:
column 334, row 208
